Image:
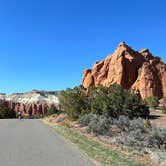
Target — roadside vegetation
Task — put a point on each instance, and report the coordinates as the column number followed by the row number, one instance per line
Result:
column 6, row 113
column 164, row 105
column 52, row 110
column 152, row 102
column 114, row 115
column 111, row 102
column 123, row 131
column 97, row 152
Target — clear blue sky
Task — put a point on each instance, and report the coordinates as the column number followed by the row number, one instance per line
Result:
column 46, row 44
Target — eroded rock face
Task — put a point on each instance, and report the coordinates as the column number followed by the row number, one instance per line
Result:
column 136, row 70
column 31, row 103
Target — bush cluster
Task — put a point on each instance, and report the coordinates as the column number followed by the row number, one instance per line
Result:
column 164, row 109
column 86, row 119
column 111, row 101
column 52, row 110
column 164, row 105
column 136, row 132
column 6, row 113
column 152, row 101
column 73, row 102
column 99, row 125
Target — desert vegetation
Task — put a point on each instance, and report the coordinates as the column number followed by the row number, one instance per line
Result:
column 115, row 113
column 111, row 102
column 124, row 131
column 6, row 112
column 152, row 102
column 102, row 155
column 116, row 116
column 52, row 110
column 164, row 105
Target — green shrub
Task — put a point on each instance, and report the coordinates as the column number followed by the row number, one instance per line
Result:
column 86, row 119
column 164, row 109
column 140, row 137
column 52, row 110
column 98, row 100
column 157, row 138
column 164, row 99
column 137, row 124
column 73, row 101
column 152, row 101
column 99, row 125
column 6, row 112
column 147, row 124
column 164, row 105
column 116, row 101
column 113, row 102
column 123, row 122
column 136, row 132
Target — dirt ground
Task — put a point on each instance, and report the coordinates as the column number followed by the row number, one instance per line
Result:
column 158, row 118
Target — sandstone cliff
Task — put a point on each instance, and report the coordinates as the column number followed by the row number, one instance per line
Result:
column 30, row 103
column 140, row 71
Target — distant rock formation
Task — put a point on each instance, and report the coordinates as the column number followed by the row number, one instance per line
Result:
column 140, row 71
column 31, row 103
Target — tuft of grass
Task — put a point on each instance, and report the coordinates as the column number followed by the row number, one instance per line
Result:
column 94, row 150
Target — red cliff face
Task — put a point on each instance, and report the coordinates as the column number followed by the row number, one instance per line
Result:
column 136, row 70
column 31, row 103
column 28, row 109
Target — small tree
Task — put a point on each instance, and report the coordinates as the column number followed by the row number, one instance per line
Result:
column 152, row 101
column 112, row 102
column 6, row 112
column 164, row 104
column 52, row 110
column 73, row 101
column 164, row 109
column 115, row 101
column 98, row 100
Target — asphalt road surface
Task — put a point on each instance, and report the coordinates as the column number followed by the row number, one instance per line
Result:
column 32, row 143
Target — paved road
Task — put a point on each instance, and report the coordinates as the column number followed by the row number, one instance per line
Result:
column 32, row 143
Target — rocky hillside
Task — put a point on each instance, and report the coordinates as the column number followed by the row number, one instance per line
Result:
column 140, row 71
column 31, row 103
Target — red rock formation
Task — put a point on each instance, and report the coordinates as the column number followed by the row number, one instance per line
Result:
column 31, row 103
column 136, row 70
column 28, row 109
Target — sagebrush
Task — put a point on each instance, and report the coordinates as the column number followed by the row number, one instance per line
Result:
column 136, row 132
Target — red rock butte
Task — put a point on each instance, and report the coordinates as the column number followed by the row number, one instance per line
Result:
column 139, row 71
column 31, row 103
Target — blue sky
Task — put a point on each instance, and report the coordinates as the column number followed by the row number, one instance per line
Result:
column 46, row 44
